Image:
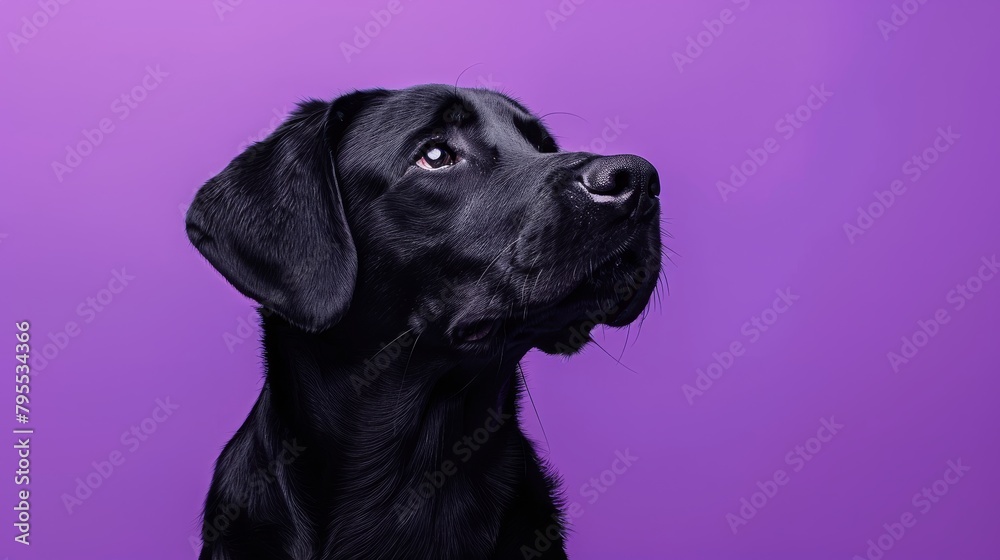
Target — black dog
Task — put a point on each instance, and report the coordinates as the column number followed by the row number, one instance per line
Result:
column 407, row 249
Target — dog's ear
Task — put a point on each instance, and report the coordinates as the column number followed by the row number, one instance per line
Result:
column 273, row 223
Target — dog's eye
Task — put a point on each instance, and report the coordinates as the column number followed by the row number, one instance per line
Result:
column 436, row 155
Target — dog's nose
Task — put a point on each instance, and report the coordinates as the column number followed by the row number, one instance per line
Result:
column 614, row 176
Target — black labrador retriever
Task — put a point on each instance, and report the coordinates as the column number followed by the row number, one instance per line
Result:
column 407, row 248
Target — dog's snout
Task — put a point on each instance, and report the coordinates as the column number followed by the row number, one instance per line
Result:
column 621, row 175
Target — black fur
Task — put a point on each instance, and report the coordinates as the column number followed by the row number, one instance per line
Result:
column 396, row 302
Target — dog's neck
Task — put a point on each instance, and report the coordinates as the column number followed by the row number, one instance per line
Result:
column 418, row 456
column 337, row 384
column 371, row 409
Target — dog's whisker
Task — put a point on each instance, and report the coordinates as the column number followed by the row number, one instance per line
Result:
column 495, row 259
column 402, row 380
column 466, row 386
column 391, row 342
column 542, row 118
column 642, row 319
column 459, row 78
column 502, row 346
column 493, row 297
column 524, row 286
column 665, row 282
column 613, row 358
column 628, row 331
column 496, row 292
column 531, row 293
column 524, row 381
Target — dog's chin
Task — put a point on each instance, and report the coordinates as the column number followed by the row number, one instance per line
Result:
column 615, row 295
column 564, row 327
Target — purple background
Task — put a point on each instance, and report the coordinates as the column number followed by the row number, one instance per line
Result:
column 229, row 75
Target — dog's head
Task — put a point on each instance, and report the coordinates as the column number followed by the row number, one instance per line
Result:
column 451, row 212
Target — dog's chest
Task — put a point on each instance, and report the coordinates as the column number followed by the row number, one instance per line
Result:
column 445, row 505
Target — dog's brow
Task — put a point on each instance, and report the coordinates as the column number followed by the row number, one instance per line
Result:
column 518, row 105
column 455, row 111
column 451, row 111
column 531, row 129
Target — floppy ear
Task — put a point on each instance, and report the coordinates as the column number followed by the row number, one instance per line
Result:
column 273, row 223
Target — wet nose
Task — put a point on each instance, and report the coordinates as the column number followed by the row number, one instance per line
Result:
column 614, row 176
